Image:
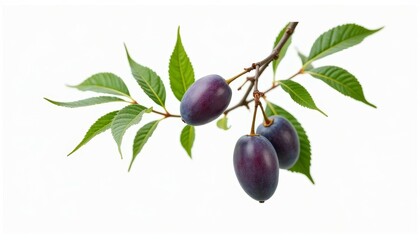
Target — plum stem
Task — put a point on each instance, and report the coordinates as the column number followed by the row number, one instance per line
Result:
column 267, row 121
column 252, row 133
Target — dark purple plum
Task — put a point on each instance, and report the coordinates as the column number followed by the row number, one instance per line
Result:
column 284, row 138
column 256, row 166
column 205, row 100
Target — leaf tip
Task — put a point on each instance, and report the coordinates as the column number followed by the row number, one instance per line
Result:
column 74, row 150
column 311, row 179
column 52, row 101
column 71, row 86
column 126, row 52
column 131, row 163
column 178, row 35
column 378, row 29
column 119, row 150
column 372, row 105
column 322, row 112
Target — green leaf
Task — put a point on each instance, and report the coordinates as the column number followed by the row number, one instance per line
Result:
column 303, row 164
column 126, row 118
column 342, row 81
column 86, row 102
column 282, row 51
column 337, row 39
column 222, row 123
column 187, row 138
column 148, row 80
column 181, row 72
column 303, row 59
column 104, row 83
column 299, row 94
column 101, row 125
column 141, row 138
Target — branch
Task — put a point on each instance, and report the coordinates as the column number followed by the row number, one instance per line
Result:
column 275, row 54
column 243, row 101
column 262, row 65
column 273, row 87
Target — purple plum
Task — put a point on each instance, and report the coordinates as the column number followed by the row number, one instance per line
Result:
column 284, row 138
column 256, row 166
column 205, row 100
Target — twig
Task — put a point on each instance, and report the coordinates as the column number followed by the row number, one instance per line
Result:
column 260, row 67
column 272, row 87
column 243, row 101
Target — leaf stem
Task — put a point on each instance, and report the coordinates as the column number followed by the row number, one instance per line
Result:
column 166, row 115
column 246, row 70
column 133, row 101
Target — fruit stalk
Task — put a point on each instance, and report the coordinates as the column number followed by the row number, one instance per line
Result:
column 267, row 121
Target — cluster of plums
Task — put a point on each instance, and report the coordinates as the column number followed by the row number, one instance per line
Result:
column 256, row 158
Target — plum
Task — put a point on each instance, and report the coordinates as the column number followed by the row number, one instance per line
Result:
column 284, row 138
column 205, row 100
column 256, row 166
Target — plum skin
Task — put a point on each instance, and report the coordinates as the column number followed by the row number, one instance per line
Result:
column 284, row 138
column 205, row 100
column 256, row 166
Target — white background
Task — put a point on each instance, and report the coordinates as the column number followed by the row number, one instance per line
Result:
column 364, row 160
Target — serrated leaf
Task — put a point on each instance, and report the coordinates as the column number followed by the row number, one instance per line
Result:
column 148, row 80
column 101, row 125
column 104, row 83
column 222, row 123
column 282, row 51
column 181, row 72
column 303, row 59
column 126, row 117
column 303, row 163
column 342, row 81
column 141, row 138
column 86, row 102
column 187, row 138
column 299, row 94
column 337, row 39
